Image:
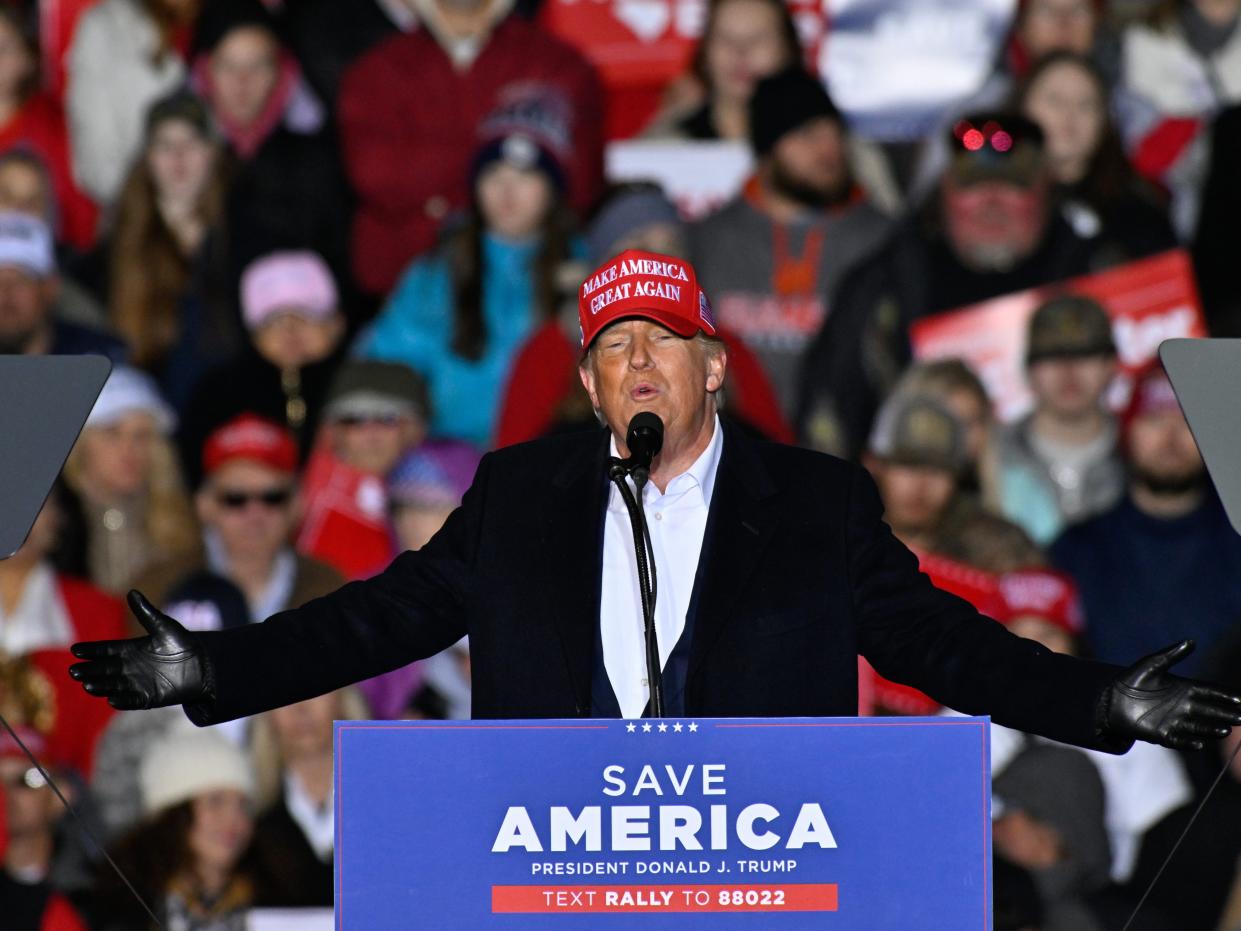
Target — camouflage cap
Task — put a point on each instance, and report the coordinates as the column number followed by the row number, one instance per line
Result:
column 916, row 430
column 1069, row 325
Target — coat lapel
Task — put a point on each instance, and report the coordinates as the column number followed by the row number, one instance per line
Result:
column 572, row 540
column 739, row 527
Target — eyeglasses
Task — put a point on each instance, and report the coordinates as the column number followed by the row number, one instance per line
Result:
column 236, row 500
column 26, row 779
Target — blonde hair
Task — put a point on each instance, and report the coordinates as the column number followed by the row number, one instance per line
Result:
column 265, row 750
column 171, row 525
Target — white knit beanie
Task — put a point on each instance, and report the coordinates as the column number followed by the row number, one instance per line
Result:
column 188, row 763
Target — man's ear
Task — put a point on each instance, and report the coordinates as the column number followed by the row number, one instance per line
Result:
column 717, row 365
column 586, row 373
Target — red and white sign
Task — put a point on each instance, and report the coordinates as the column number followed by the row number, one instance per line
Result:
column 1149, row 300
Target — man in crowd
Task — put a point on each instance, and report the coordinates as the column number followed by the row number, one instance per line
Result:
column 418, row 98
column 796, row 574
column 248, row 507
column 1059, row 464
column 989, row 230
column 28, row 290
column 771, row 256
column 1164, row 558
column 918, row 455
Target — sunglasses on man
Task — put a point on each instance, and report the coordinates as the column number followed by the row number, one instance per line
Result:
column 236, row 500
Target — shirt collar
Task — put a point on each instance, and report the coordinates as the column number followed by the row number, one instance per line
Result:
column 701, row 472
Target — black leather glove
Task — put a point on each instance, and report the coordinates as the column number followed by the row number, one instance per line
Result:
column 1145, row 702
column 166, row 668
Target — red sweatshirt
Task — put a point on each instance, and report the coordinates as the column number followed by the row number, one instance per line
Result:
column 408, row 123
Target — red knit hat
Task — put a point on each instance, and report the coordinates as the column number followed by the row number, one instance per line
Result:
column 644, row 284
column 1043, row 593
column 249, row 436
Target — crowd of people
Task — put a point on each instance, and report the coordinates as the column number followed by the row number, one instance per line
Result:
column 333, row 251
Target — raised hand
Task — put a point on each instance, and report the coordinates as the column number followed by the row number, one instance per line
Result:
column 1146, row 702
column 165, row 668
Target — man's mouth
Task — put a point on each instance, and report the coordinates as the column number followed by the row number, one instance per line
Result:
column 643, row 392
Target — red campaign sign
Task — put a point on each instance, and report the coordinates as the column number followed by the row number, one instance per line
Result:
column 792, row 897
column 1149, row 300
column 345, row 523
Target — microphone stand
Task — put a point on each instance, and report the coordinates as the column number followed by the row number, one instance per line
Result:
column 618, row 469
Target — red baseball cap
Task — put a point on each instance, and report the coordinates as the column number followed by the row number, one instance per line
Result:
column 644, row 284
column 1043, row 593
column 249, row 436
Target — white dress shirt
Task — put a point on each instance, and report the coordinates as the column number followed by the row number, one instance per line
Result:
column 676, row 520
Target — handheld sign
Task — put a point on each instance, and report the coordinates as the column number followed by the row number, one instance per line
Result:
column 716, row 823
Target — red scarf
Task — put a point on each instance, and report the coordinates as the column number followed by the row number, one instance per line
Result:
column 246, row 139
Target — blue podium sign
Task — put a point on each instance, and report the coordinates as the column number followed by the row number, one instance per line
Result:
column 878, row 823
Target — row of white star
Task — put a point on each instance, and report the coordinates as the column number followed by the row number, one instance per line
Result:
column 631, row 727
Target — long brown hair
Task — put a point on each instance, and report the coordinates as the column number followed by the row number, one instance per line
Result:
column 169, row 19
column 788, row 33
column 149, row 273
column 465, row 257
column 21, row 25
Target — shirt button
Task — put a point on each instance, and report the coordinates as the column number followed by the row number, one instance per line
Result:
column 659, row 516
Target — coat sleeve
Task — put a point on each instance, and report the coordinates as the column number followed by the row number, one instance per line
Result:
column 913, row 633
column 412, row 610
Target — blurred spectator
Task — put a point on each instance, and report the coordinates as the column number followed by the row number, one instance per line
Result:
column 248, row 507
column 26, row 187
column 291, row 308
column 1163, row 564
column 328, row 36
column 425, row 487
column 293, row 836
column 125, row 55
column 1059, row 464
column 41, row 608
column 1050, row 801
column 1043, row 27
column 419, row 98
column 770, row 258
column 1016, row 904
column 458, row 316
column 114, row 784
column 28, row 289
column 188, row 855
column 990, row 231
column 1215, row 253
column 544, row 393
column 289, row 189
column 917, row 455
column 375, row 413
column 124, row 472
column 32, row 121
column 1100, row 195
column 1143, row 785
column 954, row 385
column 168, row 285
column 29, row 900
column 743, row 41
column 1178, row 69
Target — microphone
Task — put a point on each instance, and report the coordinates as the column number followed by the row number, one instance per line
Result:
column 645, row 439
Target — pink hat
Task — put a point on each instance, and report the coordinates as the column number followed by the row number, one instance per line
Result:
column 287, row 282
column 644, row 284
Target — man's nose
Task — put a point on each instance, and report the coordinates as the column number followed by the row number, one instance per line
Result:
column 639, row 355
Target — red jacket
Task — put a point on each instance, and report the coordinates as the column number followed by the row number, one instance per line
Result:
column 40, row 126
column 408, row 122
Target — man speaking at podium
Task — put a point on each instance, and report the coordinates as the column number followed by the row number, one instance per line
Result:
column 774, row 570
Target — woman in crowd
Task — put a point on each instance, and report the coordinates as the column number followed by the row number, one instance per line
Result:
column 125, row 55
column 168, row 281
column 293, row 838
column 459, row 316
column 33, row 121
column 124, row 472
column 1101, row 196
column 1179, row 68
column 188, row 854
